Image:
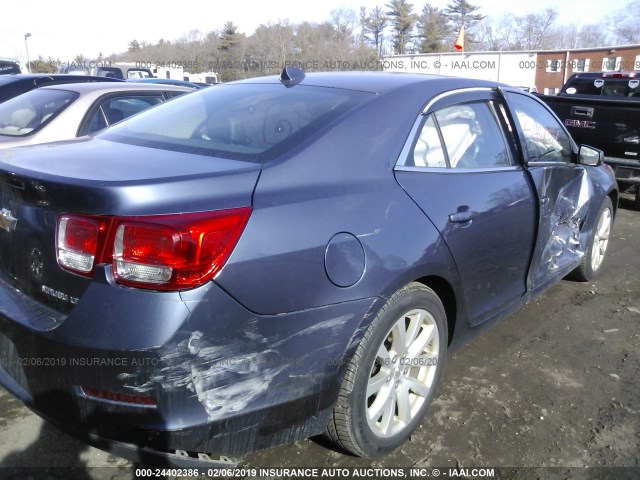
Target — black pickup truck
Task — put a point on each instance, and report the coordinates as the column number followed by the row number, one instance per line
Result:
column 603, row 110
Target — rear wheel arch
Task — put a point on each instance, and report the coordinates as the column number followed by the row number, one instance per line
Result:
column 445, row 292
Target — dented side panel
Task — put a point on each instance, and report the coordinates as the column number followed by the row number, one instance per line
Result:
column 565, row 194
column 225, row 380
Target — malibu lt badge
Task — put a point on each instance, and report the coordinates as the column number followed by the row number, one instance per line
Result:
column 7, row 221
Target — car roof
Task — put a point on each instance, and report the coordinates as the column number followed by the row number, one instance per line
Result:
column 376, row 82
column 106, row 87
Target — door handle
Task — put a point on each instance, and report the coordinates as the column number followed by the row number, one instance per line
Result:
column 578, row 111
column 461, row 216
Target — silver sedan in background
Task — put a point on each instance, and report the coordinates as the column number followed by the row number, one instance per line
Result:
column 63, row 112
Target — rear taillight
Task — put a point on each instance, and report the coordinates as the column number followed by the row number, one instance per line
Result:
column 175, row 251
column 163, row 252
column 79, row 241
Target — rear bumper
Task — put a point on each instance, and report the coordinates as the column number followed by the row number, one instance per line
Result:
column 224, row 380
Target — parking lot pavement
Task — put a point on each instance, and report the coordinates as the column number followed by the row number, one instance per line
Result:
column 557, row 384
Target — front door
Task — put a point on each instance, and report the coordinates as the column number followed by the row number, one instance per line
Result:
column 564, row 189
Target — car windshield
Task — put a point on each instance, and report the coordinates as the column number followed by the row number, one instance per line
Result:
column 252, row 122
column 26, row 113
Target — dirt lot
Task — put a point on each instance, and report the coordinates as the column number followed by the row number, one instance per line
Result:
column 556, row 385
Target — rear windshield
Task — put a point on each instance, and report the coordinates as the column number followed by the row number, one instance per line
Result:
column 606, row 87
column 26, row 113
column 138, row 73
column 252, row 122
column 110, row 72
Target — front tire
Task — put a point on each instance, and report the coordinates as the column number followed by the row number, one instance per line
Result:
column 591, row 264
column 392, row 378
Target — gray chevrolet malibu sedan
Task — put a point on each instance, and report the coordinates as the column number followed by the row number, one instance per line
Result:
column 275, row 258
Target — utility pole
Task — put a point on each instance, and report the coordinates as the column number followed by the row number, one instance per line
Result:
column 27, row 35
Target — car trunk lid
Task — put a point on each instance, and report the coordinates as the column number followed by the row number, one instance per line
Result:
column 96, row 177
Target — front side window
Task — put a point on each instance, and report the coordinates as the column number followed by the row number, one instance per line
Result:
column 544, row 137
column 622, row 86
column 461, row 136
column 31, row 111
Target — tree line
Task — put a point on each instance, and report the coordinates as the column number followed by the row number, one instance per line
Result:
column 358, row 40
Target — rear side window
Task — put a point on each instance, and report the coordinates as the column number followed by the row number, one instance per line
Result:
column 461, row 136
column 607, row 87
column 252, row 122
column 24, row 114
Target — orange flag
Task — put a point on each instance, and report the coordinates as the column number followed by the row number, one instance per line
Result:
column 460, row 40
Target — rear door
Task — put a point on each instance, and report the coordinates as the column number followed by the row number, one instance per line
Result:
column 459, row 167
column 564, row 188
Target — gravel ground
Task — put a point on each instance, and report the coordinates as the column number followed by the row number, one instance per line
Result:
column 555, row 385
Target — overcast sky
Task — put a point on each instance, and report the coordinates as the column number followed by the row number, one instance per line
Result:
column 63, row 29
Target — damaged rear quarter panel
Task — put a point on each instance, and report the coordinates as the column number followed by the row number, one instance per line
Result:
column 236, row 363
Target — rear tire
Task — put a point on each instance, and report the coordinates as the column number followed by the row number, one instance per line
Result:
column 591, row 263
column 392, row 378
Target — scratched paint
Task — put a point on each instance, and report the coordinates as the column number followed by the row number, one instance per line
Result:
column 227, row 377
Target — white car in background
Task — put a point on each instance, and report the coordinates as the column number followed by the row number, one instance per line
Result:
column 63, row 112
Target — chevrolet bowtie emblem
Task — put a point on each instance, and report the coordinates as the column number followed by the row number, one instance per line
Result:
column 7, row 221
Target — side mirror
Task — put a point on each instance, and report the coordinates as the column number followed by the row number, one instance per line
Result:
column 590, row 156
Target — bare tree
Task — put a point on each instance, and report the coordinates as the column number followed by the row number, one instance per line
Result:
column 533, row 31
column 592, row 36
column 272, row 46
column 535, row 28
column 625, row 22
column 344, row 22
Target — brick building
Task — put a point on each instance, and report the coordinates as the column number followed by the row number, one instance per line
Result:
column 547, row 70
column 553, row 68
